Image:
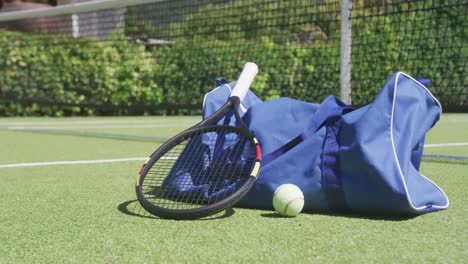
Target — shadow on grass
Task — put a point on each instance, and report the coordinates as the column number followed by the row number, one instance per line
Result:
column 133, row 208
column 273, row 215
column 91, row 134
column 350, row 215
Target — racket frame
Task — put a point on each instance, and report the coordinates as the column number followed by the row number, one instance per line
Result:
column 205, row 125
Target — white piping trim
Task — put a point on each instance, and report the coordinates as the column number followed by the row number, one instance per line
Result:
column 394, row 148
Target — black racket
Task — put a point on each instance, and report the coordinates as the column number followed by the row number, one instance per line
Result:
column 205, row 169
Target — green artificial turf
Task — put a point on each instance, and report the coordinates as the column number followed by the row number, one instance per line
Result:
column 88, row 214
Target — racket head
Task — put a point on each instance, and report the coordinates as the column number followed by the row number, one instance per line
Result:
column 199, row 172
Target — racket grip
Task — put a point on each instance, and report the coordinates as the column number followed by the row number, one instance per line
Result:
column 245, row 80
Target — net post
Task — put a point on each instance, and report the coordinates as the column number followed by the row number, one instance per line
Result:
column 345, row 60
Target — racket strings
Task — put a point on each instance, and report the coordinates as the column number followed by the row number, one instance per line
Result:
column 208, row 177
column 201, row 169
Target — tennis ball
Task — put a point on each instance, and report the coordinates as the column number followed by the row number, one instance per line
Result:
column 288, row 200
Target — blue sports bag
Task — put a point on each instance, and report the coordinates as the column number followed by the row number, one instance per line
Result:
column 344, row 159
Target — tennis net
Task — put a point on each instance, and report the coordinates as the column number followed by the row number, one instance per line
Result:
column 160, row 57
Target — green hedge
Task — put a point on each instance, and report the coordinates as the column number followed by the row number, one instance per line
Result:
column 196, row 63
column 426, row 42
column 422, row 38
column 50, row 75
column 57, row 76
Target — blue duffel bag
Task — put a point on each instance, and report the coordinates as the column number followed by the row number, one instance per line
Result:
column 344, row 159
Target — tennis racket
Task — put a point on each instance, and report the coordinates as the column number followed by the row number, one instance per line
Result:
column 205, row 169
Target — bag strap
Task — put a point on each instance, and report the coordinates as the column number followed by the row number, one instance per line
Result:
column 227, row 119
column 330, row 109
column 329, row 115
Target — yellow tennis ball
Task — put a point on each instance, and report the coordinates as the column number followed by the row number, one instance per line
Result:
column 288, row 200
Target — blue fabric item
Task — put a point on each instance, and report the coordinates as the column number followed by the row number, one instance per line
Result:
column 205, row 157
column 185, row 179
column 331, row 109
column 218, row 97
column 209, row 154
column 344, row 159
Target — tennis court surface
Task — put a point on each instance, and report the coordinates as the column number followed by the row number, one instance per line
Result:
column 67, row 184
column 67, row 192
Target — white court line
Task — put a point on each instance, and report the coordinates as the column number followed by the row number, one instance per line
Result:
column 73, row 162
column 446, row 145
column 90, row 122
column 33, row 164
column 456, row 120
column 93, row 126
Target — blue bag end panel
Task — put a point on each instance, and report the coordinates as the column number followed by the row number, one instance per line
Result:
column 218, row 97
column 415, row 112
column 380, row 151
column 418, row 149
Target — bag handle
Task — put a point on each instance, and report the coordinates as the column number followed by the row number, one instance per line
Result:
column 330, row 109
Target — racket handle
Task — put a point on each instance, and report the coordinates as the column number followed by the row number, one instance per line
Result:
column 245, row 80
